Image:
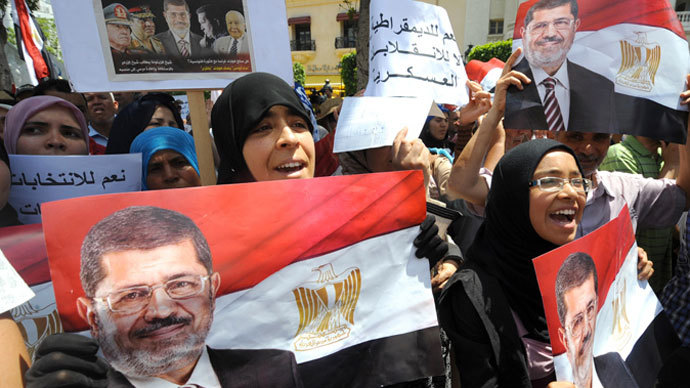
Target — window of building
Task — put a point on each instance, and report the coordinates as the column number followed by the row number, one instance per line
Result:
column 303, row 37
column 495, row 26
column 348, row 37
column 301, row 41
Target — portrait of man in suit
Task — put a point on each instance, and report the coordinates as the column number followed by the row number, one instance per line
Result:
column 150, row 295
column 562, row 95
column 577, row 303
column 179, row 41
column 236, row 42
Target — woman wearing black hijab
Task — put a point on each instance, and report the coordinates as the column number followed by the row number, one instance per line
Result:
column 150, row 110
column 235, row 116
column 496, row 292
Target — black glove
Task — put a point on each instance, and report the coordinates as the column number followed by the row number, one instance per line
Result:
column 428, row 242
column 67, row 360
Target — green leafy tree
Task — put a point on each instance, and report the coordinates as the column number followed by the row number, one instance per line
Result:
column 485, row 52
column 348, row 72
column 298, row 73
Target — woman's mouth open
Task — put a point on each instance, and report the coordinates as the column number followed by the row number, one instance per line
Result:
column 290, row 168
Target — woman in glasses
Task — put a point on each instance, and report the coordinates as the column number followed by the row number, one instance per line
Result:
column 492, row 308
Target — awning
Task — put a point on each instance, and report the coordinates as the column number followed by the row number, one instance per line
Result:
column 299, row 20
column 344, row 16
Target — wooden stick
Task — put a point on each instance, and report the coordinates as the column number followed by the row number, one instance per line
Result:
column 202, row 137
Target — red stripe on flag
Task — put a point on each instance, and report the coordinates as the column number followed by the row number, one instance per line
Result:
column 40, row 66
column 253, row 229
column 25, row 248
column 596, row 15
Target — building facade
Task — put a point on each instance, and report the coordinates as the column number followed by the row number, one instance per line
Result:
column 321, row 32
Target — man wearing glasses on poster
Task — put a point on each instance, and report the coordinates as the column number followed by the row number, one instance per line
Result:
column 562, row 95
column 150, row 294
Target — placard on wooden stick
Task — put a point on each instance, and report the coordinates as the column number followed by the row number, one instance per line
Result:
column 99, row 57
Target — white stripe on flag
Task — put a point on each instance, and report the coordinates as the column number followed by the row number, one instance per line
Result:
column 600, row 52
column 395, row 298
column 491, row 77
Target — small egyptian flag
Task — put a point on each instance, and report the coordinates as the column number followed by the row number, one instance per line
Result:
column 485, row 73
column 30, row 41
column 641, row 48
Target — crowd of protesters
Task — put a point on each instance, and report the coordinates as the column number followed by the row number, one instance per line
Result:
column 488, row 299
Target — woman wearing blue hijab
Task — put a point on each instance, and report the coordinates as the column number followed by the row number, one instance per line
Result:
column 168, row 159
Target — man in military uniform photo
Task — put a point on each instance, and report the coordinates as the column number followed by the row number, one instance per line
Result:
column 144, row 29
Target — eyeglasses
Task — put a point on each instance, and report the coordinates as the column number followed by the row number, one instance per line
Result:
column 552, row 184
column 579, row 322
column 562, row 24
column 177, row 15
column 134, row 299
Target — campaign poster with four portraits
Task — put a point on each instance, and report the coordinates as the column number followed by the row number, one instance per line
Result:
column 600, row 66
column 607, row 328
column 156, row 39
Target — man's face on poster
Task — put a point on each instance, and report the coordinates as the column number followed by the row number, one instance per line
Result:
column 177, row 17
column 144, row 28
column 152, row 311
column 119, row 36
column 580, row 322
column 235, row 24
column 549, row 36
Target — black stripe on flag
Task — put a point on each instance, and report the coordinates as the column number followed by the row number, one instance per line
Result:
column 384, row 361
column 644, row 117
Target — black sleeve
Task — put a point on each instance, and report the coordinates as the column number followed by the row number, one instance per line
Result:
column 474, row 356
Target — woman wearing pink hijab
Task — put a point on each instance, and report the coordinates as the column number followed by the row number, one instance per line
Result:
column 46, row 125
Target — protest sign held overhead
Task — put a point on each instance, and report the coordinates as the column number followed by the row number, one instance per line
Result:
column 607, row 328
column 413, row 52
column 309, row 283
column 217, row 41
column 146, row 42
column 38, row 179
column 600, row 67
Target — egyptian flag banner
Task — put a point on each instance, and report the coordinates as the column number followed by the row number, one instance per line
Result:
column 638, row 47
column 324, row 268
column 606, row 326
column 30, row 41
column 485, row 73
column 24, row 248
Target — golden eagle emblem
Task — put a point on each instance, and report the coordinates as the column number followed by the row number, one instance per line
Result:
column 639, row 63
column 326, row 307
column 621, row 332
column 36, row 323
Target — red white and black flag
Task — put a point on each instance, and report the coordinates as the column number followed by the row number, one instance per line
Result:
column 638, row 48
column 324, row 268
column 30, row 42
column 25, row 249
